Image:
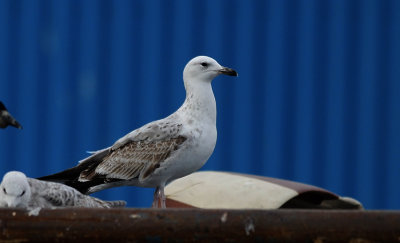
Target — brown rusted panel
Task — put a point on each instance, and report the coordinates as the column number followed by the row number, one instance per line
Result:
column 181, row 225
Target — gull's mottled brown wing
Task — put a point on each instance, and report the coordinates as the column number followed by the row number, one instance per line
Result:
column 135, row 159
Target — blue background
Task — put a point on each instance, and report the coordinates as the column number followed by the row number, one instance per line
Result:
column 317, row 98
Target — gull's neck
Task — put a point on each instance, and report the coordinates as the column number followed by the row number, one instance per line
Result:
column 200, row 102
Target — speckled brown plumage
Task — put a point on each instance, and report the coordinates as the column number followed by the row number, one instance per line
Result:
column 134, row 159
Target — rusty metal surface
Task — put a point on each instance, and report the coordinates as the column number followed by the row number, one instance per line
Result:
column 181, row 225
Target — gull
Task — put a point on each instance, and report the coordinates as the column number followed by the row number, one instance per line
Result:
column 6, row 119
column 160, row 151
column 16, row 190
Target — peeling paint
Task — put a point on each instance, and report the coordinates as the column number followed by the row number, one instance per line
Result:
column 249, row 226
column 135, row 216
column 224, row 217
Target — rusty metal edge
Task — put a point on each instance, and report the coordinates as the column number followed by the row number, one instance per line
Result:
column 157, row 225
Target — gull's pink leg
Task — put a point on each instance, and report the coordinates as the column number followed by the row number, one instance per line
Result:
column 156, row 197
column 162, row 197
column 159, row 198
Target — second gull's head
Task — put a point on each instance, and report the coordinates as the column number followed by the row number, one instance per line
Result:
column 14, row 190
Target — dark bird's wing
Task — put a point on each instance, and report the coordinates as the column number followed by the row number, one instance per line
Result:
column 2, row 107
column 6, row 118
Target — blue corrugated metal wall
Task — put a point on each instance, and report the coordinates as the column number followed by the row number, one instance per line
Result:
column 317, row 98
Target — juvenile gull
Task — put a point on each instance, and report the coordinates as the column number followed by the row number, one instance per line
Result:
column 160, row 151
column 6, row 118
column 16, row 190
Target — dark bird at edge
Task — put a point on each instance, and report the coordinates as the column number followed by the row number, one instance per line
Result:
column 6, row 119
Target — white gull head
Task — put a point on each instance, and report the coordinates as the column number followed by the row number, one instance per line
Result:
column 15, row 190
column 204, row 69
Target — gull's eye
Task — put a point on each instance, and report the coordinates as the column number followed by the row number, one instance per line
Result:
column 4, row 190
column 204, row 64
column 23, row 192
